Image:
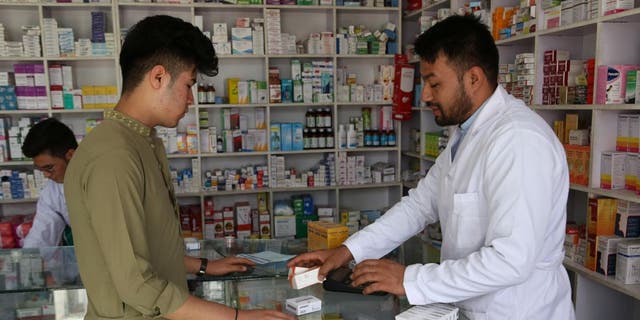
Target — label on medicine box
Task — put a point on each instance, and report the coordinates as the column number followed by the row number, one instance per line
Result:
column 303, row 305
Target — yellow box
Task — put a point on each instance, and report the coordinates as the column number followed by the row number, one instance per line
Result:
column 601, row 221
column 325, row 235
column 232, row 90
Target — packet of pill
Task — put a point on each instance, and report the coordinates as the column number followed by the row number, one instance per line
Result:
column 300, row 277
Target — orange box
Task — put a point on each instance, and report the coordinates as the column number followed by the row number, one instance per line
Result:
column 325, row 235
column 578, row 161
column 601, row 221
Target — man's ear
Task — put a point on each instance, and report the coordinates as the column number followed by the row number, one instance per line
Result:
column 69, row 154
column 158, row 76
column 475, row 79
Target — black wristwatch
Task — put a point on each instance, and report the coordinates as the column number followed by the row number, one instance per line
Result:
column 203, row 267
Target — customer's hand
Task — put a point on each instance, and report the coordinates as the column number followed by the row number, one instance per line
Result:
column 228, row 265
column 327, row 260
column 263, row 315
column 379, row 275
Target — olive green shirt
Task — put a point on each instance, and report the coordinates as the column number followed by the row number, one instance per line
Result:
column 125, row 223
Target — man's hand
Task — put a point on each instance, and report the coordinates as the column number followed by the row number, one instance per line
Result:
column 379, row 275
column 328, row 260
column 228, row 265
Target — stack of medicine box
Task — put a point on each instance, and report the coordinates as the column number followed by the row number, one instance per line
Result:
column 8, row 100
column 611, row 84
column 612, row 170
column 628, row 262
column 30, row 90
column 273, row 31
column 50, row 39
column 573, row 11
column 351, row 219
column 525, row 77
column 507, row 76
column 242, row 37
column 615, row 6
column 325, row 235
column 601, row 217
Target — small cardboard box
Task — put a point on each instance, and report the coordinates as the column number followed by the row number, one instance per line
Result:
column 303, row 305
column 325, row 235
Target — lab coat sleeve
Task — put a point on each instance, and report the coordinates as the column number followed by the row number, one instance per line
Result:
column 115, row 191
column 520, row 171
column 48, row 225
column 404, row 220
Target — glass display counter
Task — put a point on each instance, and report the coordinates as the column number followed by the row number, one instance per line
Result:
column 45, row 284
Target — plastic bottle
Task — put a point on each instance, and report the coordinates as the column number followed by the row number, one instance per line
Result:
column 383, row 139
column 342, row 137
column 352, row 141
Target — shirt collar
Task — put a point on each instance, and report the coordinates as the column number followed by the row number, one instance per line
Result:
column 467, row 124
column 131, row 123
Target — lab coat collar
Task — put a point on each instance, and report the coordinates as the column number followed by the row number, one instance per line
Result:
column 494, row 106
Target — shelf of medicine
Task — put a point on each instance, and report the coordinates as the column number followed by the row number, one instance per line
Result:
column 632, row 15
column 365, row 56
column 208, row 193
column 16, row 201
column 297, row 7
column 579, row 187
column 274, row 152
column 300, row 104
column 371, row 185
column 347, row 8
column 365, row 103
column 17, row 163
column 301, row 56
column 234, row 154
column 226, row 105
column 156, row 4
column 76, row 4
column 19, row 4
column 24, row 112
column 621, row 194
column 40, row 289
column 21, row 58
column 181, row 155
column 59, row 111
column 632, row 290
column 373, row 149
column 300, row 189
column 241, row 56
column 575, row 29
column 226, row 6
column 188, row 194
column 518, row 39
column 605, row 107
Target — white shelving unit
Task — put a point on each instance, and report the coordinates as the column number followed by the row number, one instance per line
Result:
column 610, row 39
column 297, row 20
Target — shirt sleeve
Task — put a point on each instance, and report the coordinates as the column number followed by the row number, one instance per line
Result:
column 521, row 178
column 48, row 223
column 114, row 193
column 404, row 220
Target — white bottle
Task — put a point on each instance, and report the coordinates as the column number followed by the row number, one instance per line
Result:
column 342, row 137
column 352, row 140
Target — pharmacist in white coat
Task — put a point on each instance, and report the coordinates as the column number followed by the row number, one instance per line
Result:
column 499, row 190
column 51, row 144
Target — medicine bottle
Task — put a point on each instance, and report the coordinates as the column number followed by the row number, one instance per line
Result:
column 330, row 139
column 310, row 118
column 211, row 94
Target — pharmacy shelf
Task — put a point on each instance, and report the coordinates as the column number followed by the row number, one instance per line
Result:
column 422, row 109
column 226, row 6
column 365, row 56
column 301, row 104
column 24, row 112
column 579, row 187
column 181, row 155
column 300, row 189
column 632, row 290
column 632, row 15
column 365, row 103
column 275, row 152
column 298, row 7
column 418, row 156
column 21, row 58
column 515, row 40
column 367, row 9
column 234, row 154
column 300, row 56
column 82, row 111
column 605, row 107
column 371, row 185
column 226, row 105
column 618, row 194
column 209, row 193
column 78, row 4
column 19, row 4
column 16, row 163
column 16, row 201
column 188, row 194
column 574, row 29
column 410, row 184
column 372, row 149
column 412, row 15
column 155, row 4
column 241, row 56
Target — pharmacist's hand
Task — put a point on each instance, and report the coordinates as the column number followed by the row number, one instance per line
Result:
column 327, row 260
column 379, row 275
column 228, row 265
column 263, row 315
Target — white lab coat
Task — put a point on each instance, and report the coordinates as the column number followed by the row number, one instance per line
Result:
column 502, row 208
column 51, row 217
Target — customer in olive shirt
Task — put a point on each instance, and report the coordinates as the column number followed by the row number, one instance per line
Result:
column 118, row 189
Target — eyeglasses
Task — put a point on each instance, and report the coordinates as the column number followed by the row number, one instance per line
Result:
column 49, row 168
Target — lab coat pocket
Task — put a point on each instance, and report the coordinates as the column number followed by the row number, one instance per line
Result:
column 469, row 223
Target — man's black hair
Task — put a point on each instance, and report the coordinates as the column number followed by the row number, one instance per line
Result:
column 166, row 41
column 465, row 42
column 49, row 136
